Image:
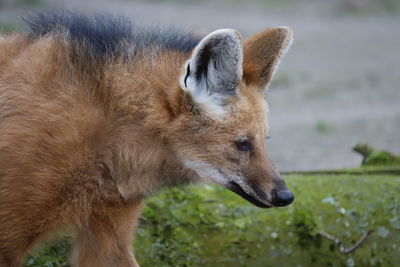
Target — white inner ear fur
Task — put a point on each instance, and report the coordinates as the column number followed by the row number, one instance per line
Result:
column 224, row 71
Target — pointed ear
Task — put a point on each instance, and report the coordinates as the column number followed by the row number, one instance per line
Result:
column 262, row 53
column 214, row 70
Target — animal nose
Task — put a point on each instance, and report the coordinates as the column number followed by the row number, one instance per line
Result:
column 283, row 197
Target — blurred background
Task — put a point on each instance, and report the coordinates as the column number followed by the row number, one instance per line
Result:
column 338, row 85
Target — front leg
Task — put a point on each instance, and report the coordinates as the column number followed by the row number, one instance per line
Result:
column 107, row 239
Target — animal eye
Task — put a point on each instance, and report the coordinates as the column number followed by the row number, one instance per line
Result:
column 243, row 145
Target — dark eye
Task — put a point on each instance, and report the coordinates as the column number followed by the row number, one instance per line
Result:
column 243, row 145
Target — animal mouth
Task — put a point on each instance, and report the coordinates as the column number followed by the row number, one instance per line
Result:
column 236, row 188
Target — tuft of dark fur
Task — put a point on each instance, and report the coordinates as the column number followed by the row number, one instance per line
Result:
column 105, row 35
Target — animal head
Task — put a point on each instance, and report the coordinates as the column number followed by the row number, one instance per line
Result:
column 221, row 136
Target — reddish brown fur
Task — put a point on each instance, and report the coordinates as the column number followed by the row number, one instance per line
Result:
column 81, row 151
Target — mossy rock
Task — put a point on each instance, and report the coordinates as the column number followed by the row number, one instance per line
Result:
column 372, row 156
column 206, row 225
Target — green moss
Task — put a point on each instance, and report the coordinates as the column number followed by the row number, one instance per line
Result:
column 54, row 254
column 209, row 226
column 372, row 156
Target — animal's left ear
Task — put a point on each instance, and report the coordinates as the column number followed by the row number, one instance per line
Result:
column 262, row 53
column 214, row 70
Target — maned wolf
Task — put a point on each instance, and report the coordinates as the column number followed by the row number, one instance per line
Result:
column 96, row 114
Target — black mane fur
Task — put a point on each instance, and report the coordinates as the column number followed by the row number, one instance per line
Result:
column 106, row 35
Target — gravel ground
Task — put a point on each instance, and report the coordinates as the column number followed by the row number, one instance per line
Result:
column 338, row 85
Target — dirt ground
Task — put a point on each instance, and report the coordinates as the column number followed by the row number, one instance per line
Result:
column 338, row 85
